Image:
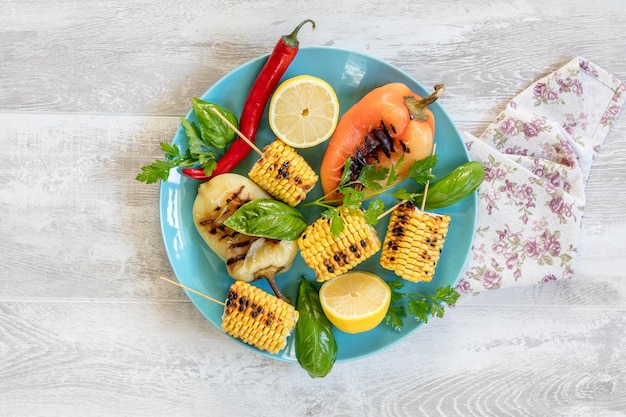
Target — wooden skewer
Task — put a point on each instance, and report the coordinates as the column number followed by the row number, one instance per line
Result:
column 241, row 135
column 404, row 201
column 427, row 183
column 193, row 291
column 392, row 208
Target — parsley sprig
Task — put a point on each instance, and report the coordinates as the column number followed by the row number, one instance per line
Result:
column 206, row 140
column 353, row 193
column 420, row 306
column 195, row 155
column 376, row 180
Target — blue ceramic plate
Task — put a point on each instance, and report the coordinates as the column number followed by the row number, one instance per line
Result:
column 352, row 75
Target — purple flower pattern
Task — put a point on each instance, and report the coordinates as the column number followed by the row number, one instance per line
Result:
column 536, row 156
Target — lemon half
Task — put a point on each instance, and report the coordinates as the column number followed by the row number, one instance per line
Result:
column 303, row 111
column 356, row 301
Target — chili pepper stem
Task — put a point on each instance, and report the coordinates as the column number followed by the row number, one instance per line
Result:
column 291, row 40
column 192, row 290
column 241, row 135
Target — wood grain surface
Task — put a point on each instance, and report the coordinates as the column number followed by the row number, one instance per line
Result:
column 88, row 90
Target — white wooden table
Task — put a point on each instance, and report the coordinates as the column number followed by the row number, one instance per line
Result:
column 87, row 91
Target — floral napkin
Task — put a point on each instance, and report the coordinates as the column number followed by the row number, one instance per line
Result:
column 537, row 156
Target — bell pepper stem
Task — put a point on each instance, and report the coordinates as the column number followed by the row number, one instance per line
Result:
column 416, row 107
column 272, row 281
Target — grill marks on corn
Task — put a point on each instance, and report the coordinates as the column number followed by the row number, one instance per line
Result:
column 413, row 242
column 283, row 173
column 257, row 317
column 238, row 243
column 329, row 255
column 377, row 144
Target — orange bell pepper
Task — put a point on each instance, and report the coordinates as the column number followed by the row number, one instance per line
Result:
column 388, row 122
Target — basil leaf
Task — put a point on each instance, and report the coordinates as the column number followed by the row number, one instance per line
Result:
column 316, row 347
column 455, row 186
column 272, row 219
column 213, row 131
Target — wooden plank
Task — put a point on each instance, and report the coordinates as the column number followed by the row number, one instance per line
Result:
column 127, row 58
column 89, row 358
column 75, row 222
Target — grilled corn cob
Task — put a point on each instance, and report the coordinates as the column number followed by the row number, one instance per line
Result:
column 413, row 242
column 257, row 317
column 283, row 173
column 329, row 255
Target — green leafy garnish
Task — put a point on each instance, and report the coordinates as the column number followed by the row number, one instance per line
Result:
column 160, row 169
column 420, row 306
column 206, row 140
column 316, row 347
column 272, row 219
column 451, row 188
column 421, row 171
column 213, row 131
column 370, row 177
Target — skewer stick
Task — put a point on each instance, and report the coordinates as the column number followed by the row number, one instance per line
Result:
column 392, row 208
column 427, row 183
column 241, row 135
column 404, row 201
column 193, row 291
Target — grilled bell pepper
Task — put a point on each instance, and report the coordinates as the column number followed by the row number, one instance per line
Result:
column 389, row 123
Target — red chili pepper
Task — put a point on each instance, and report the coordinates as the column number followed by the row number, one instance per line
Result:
column 283, row 54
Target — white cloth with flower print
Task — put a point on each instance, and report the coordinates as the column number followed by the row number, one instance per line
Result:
column 537, row 155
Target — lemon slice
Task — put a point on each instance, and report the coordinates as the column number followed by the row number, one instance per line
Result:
column 303, row 111
column 356, row 301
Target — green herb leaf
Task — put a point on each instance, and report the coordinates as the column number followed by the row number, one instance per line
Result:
column 395, row 317
column 402, row 194
column 316, row 347
column 420, row 306
column 337, row 225
column 271, row 219
column 213, row 131
column 172, row 151
column 375, row 209
column 194, row 140
column 393, row 177
column 420, row 171
column 200, row 150
column 345, row 174
column 208, row 161
column 352, row 198
column 370, row 175
column 158, row 170
column 455, row 186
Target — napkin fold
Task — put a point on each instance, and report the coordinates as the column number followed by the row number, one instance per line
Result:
column 537, row 155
